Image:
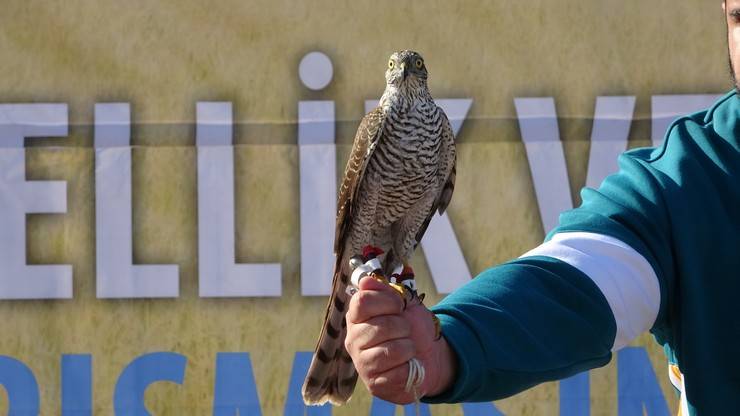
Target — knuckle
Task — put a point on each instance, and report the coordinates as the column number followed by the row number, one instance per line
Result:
column 373, row 386
column 372, row 361
column 352, row 341
column 393, row 349
column 363, row 298
column 352, row 312
column 367, row 301
column 384, row 321
column 396, row 301
column 400, row 347
column 379, row 386
column 398, row 323
column 407, row 347
column 386, row 352
column 354, row 298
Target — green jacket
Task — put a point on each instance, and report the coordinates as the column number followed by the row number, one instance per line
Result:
column 656, row 247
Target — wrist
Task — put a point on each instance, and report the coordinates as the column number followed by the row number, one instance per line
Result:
column 445, row 360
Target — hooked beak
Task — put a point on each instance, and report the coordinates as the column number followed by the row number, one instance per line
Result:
column 405, row 71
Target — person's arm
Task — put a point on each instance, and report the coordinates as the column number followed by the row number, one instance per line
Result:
column 590, row 288
column 537, row 319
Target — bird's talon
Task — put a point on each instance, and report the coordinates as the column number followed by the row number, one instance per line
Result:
column 437, row 327
column 400, row 289
column 379, row 277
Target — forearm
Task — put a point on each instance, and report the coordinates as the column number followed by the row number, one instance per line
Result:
column 521, row 324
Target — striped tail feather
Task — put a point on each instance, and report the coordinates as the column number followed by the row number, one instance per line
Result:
column 332, row 375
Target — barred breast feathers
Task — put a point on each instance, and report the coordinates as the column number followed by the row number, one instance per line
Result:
column 446, row 174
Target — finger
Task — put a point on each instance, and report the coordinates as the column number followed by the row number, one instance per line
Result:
column 390, row 385
column 375, row 331
column 369, row 303
column 385, row 356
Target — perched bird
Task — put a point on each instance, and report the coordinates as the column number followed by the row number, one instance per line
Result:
column 400, row 172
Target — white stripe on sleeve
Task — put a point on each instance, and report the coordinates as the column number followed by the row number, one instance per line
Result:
column 623, row 275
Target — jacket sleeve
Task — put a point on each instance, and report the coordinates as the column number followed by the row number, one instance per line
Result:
column 595, row 284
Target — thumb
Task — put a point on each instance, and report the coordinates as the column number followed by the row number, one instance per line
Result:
column 370, row 283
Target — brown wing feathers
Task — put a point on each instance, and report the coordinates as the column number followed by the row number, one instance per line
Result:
column 332, row 375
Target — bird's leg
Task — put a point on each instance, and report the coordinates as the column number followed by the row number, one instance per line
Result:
column 368, row 264
column 370, row 252
column 363, row 265
column 388, row 263
column 403, row 281
column 403, row 276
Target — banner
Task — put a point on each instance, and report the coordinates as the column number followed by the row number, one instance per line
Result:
column 168, row 177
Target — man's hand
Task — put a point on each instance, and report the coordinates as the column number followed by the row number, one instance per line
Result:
column 382, row 337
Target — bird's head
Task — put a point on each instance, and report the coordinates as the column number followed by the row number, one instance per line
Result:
column 406, row 70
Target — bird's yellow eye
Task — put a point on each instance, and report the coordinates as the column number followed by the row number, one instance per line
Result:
column 419, row 63
column 391, row 64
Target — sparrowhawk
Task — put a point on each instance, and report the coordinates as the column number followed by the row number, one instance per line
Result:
column 401, row 171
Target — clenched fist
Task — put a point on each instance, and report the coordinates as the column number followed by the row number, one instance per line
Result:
column 382, row 337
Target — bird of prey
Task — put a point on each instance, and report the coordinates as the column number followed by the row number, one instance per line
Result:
column 401, row 171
